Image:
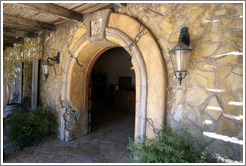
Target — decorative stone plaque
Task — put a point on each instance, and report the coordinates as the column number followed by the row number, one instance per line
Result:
column 96, row 27
column 96, row 24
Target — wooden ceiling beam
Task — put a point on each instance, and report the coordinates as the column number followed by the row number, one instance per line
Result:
column 26, row 23
column 8, row 45
column 54, row 9
column 18, row 33
column 7, row 39
column 122, row 5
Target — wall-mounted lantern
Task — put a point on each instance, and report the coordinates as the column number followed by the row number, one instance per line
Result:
column 47, row 63
column 180, row 55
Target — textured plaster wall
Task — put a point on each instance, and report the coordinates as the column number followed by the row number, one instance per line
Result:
column 210, row 99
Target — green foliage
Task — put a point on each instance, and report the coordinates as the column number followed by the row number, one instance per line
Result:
column 25, row 128
column 167, row 147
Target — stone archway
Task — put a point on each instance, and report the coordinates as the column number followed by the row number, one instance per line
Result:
column 150, row 71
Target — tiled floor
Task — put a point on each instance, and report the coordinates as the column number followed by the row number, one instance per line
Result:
column 106, row 144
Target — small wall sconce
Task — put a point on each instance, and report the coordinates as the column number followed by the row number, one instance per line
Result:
column 180, row 55
column 47, row 63
column 45, row 69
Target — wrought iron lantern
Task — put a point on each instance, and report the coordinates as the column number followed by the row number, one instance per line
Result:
column 45, row 69
column 180, row 55
column 47, row 63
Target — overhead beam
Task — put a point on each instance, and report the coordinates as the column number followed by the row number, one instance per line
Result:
column 26, row 23
column 18, row 33
column 122, row 5
column 54, row 9
column 7, row 39
column 8, row 45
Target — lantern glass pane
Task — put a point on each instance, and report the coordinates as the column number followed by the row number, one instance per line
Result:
column 180, row 59
column 45, row 68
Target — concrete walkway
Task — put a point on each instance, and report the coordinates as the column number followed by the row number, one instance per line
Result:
column 106, row 144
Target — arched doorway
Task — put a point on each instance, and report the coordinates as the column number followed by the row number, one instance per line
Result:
column 111, row 105
column 119, row 105
column 147, row 60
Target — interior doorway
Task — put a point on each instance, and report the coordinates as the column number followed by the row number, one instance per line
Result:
column 112, row 93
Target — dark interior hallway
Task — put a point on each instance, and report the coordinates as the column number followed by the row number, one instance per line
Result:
column 112, row 88
column 105, row 116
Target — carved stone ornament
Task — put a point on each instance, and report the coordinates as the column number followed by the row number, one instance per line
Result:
column 96, row 27
column 96, row 24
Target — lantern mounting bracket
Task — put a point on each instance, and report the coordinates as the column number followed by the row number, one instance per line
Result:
column 184, row 36
column 47, row 63
column 55, row 58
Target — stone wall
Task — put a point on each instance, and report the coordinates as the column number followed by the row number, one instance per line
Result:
column 57, row 41
column 27, row 52
column 11, row 56
column 44, row 45
column 210, row 98
column 27, row 83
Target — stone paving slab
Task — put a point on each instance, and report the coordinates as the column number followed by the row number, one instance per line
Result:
column 107, row 144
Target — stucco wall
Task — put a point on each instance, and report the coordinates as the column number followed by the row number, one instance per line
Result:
column 210, row 99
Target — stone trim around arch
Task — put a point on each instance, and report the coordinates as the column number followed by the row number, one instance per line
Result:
column 141, row 79
column 150, row 89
